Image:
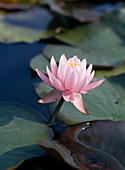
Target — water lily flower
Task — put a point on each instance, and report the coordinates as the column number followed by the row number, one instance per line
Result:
column 69, row 79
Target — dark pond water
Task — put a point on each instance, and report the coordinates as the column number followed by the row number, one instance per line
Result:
column 16, row 81
column 17, row 78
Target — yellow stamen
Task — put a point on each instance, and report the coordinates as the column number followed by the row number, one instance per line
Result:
column 77, row 64
column 72, row 65
column 69, row 63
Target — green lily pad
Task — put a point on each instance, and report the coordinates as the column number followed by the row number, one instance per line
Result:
column 40, row 62
column 42, row 89
column 97, row 58
column 114, row 72
column 104, row 102
column 93, row 145
column 79, row 11
column 20, row 130
column 25, row 26
column 115, row 20
column 86, row 36
column 97, row 39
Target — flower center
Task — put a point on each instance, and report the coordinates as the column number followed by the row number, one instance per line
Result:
column 73, row 64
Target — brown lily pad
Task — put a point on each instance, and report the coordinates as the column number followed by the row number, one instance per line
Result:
column 94, row 145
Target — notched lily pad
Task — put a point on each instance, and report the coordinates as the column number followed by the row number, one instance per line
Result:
column 94, row 145
column 20, row 130
column 24, row 26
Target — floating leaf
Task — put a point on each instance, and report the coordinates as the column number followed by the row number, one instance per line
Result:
column 105, row 102
column 42, row 89
column 97, row 39
column 97, row 58
column 58, row 151
column 41, row 163
column 40, row 62
column 115, row 20
column 114, row 72
column 86, row 36
column 78, row 11
column 20, row 130
column 90, row 145
column 24, row 26
column 101, row 135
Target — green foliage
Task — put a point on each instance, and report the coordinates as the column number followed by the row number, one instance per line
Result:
column 114, row 72
column 39, row 62
column 115, row 20
column 24, row 26
column 70, row 27
column 20, row 130
column 105, row 102
column 97, row 39
column 95, row 57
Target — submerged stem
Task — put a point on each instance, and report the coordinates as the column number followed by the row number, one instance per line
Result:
column 58, row 107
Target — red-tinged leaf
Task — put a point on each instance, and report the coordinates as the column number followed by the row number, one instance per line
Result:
column 94, row 145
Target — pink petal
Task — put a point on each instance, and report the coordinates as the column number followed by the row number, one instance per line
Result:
column 75, row 59
column 89, row 69
column 52, row 96
column 90, row 77
column 43, row 77
column 83, row 92
column 82, row 72
column 53, row 66
column 69, row 60
column 61, row 69
column 66, row 71
column 84, row 62
column 76, row 99
column 71, row 80
column 63, row 59
column 93, row 85
column 61, row 73
column 79, row 103
column 80, row 86
column 54, row 81
column 67, row 95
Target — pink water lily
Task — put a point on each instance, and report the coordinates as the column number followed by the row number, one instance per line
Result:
column 69, row 79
